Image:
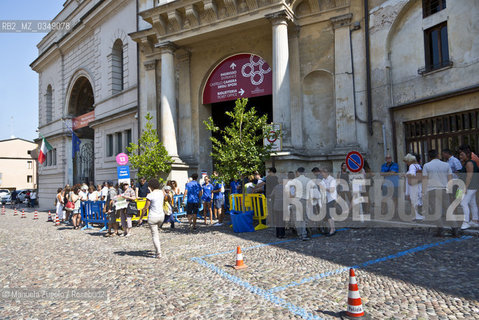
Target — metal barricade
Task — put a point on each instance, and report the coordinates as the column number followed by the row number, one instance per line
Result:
column 140, row 204
column 92, row 212
column 179, row 207
column 253, row 201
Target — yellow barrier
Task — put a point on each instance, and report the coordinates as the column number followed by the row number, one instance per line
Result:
column 253, row 201
column 140, row 204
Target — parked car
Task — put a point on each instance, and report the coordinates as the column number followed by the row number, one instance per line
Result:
column 5, row 197
column 21, row 196
column 3, row 192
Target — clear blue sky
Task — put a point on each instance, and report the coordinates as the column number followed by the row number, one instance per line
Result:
column 18, row 82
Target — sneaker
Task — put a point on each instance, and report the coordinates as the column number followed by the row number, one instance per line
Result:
column 127, row 235
column 218, row 224
column 465, row 225
column 474, row 224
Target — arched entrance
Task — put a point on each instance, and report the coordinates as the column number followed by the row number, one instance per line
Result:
column 81, row 108
column 240, row 76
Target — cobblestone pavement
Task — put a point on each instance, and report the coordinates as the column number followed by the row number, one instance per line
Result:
column 402, row 273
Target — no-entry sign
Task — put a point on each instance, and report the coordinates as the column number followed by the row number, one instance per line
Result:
column 354, row 161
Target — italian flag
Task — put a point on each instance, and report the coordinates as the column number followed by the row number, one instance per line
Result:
column 43, row 151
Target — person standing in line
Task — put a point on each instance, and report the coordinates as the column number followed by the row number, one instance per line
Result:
column 207, row 199
column 235, row 186
column 390, row 172
column 329, row 185
column 129, row 194
column 301, row 183
column 60, row 204
column 276, row 218
column 218, row 198
column 156, row 216
column 104, row 192
column 75, row 198
column 141, row 191
column 193, row 194
column 66, row 197
column 92, row 194
column 168, row 206
column 174, row 187
column 436, row 176
column 470, row 176
column 452, row 161
column 414, row 184
column 110, row 210
column 343, row 176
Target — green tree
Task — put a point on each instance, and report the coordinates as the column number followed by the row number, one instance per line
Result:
column 149, row 156
column 240, row 150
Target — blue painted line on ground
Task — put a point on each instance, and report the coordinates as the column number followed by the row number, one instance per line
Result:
column 265, row 294
column 265, row 245
column 367, row 263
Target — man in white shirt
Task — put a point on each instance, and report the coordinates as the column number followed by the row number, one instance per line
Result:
column 330, row 186
column 436, row 175
column 301, row 184
column 104, row 192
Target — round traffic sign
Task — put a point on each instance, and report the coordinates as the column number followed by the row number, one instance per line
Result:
column 354, row 161
column 122, row 159
column 272, row 136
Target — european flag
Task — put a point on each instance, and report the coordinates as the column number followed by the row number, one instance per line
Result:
column 75, row 144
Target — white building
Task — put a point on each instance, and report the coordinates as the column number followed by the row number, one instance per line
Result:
column 88, row 82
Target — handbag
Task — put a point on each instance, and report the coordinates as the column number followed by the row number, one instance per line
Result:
column 131, row 208
column 70, row 206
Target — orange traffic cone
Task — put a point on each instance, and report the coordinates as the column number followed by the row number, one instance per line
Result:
column 355, row 306
column 35, row 215
column 57, row 221
column 23, row 214
column 49, row 217
column 239, row 260
column 15, row 212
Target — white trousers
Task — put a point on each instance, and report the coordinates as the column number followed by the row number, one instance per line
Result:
column 469, row 205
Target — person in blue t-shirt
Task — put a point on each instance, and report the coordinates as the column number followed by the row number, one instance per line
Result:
column 207, row 198
column 235, row 186
column 390, row 172
column 218, row 198
column 193, row 194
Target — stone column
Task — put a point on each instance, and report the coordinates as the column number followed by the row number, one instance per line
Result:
column 296, row 90
column 281, row 86
column 343, row 78
column 168, row 121
column 185, row 134
column 150, row 94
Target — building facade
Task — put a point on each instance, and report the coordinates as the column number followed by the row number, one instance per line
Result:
column 18, row 166
column 401, row 78
column 88, row 84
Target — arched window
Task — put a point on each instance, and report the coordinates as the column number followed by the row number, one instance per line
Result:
column 48, row 103
column 117, row 66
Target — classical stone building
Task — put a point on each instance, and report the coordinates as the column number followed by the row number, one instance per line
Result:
column 334, row 78
column 88, row 83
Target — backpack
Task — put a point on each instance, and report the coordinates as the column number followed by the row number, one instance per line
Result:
column 416, row 179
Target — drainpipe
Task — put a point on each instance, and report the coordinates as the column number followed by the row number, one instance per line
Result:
column 138, row 115
column 368, row 68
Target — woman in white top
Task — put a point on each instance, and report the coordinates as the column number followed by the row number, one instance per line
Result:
column 75, row 198
column 92, row 194
column 413, row 184
column 154, row 202
column 59, row 207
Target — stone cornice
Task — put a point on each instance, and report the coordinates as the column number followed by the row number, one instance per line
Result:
column 341, row 21
column 150, row 65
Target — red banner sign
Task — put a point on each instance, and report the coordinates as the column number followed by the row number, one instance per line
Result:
column 239, row 76
column 83, row 120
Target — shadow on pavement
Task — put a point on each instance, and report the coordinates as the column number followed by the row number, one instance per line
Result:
column 138, row 253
